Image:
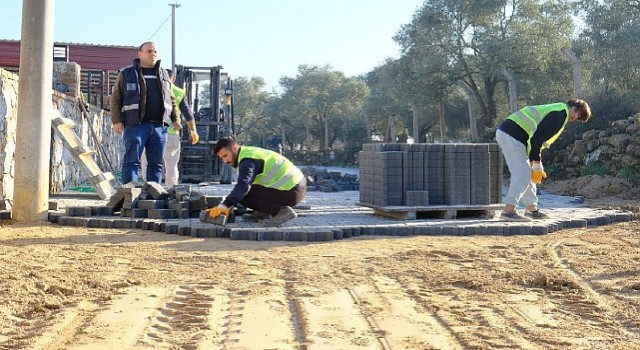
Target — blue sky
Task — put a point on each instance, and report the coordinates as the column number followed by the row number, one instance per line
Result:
column 267, row 38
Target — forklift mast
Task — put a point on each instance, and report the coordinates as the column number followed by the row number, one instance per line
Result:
column 213, row 121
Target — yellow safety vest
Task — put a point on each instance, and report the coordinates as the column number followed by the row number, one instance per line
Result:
column 528, row 118
column 178, row 93
column 279, row 173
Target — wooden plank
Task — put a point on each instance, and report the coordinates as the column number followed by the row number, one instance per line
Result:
column 435, row 212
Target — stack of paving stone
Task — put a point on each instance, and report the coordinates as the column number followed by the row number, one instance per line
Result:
column 422, row 175
column 320, row 179
column 138, row 201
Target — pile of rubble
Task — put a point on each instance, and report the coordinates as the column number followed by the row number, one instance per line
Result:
column 143, row 200
column 323, row 180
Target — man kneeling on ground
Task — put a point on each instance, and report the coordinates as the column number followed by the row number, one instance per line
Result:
column 268, row 183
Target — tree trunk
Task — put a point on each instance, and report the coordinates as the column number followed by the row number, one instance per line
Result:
column 513, row 89
column 577, row 72
column 367, row 125
column 391, row 129
column 325, row 122
column 309, row 138
column 443, row 125
column 414, row 125
column 472, row 107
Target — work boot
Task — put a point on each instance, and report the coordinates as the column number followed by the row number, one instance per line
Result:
column 255, row 216
column 285, row 214
column 514, row 216
column 536, row 214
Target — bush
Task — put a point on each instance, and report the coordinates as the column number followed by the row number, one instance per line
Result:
column 630, row 174
column 595, row 168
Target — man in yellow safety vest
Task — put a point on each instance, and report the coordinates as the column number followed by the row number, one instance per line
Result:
column 522, row 137
column 268, row 182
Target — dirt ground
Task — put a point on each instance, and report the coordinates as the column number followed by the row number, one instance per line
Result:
column 82, row 288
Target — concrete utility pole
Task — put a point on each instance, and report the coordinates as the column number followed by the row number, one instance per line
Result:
column 33, row 136
column 173, row 35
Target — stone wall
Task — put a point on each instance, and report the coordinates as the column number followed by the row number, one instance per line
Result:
column 64, row 172
column 612, row 151
column 8, row 117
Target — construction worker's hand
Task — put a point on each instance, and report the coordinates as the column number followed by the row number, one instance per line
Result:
column 118, row 128
column 177, row 125
column 537, row 172
column 194, row 136
column 221, row 209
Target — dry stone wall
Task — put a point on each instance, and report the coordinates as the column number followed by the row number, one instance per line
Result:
column 612, row 151
column 64, row 171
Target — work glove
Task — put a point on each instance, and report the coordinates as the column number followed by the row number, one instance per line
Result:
column 194, row 137
column 221, row 209
column 537, row 172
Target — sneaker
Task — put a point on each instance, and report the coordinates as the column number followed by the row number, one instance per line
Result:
column 285, row 214
column 255, row 216
column 536, row 214
column 514, row 216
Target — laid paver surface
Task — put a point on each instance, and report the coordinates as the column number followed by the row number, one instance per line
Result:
column 326, row 216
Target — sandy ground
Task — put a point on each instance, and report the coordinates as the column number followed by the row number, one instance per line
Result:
column 82, row 288
column 75, row 288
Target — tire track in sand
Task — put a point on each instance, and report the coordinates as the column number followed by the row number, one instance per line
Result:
column 472, row 320
column 401, row 323
column 601, row 302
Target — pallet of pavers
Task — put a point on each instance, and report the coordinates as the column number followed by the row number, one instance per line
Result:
column 434, row 180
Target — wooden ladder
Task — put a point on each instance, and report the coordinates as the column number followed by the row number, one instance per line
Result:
column 65, row 129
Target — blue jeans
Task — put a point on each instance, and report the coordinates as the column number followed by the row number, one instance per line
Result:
column 137, row 138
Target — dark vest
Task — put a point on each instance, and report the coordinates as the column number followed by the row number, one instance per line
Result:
column 132, row 90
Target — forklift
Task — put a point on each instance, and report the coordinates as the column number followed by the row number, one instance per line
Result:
column 197, row 162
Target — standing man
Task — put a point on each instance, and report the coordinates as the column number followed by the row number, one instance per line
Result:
column 268, row 183
column 142, row 105
column 522, row 137
column 172, row 151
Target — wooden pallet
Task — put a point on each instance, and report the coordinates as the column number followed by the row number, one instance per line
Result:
column 436, row 211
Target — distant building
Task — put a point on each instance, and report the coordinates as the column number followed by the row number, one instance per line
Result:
column 99, row 64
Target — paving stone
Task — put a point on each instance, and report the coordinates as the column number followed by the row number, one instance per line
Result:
column 94, row 222
column 162, row 214
column 178, row 205
column 102, row 210
column 148, row 225
column 198, row 201
column 78, row 211
column 137, row 223
column 53, row 205
column 212, row 201
column 180, row 192
column 200, row 232
column 621, row 217
column 172, row 228
column 152, row 204
column 184, row 231
column 270, row 235
column 121, row 223
column 131, row 196
column 539, row 229
column 155, row 190
column 320, row 236
column 576, row 223
column 244, row 234
column 117, row 199
column 181, row 213
column 53, row 216
column 295, row 236
column 160, row 226
column 134, row 213
column 449, row 230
